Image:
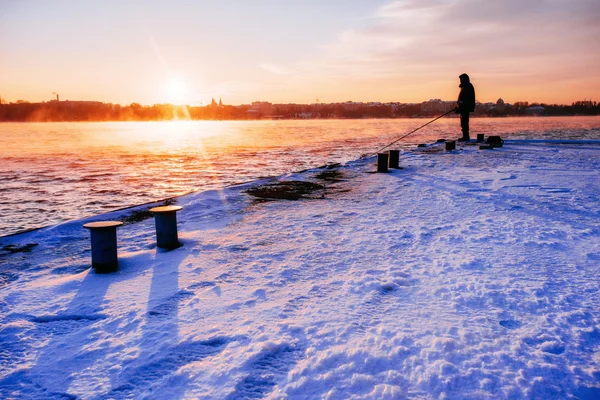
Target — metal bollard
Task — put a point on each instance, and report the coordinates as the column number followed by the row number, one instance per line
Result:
column 480, row 137
column 450, row 145
column 395, row 159
column 103, row 236
column 165, row 220
column 382, row 162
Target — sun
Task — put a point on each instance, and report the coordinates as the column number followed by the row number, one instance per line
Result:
column 176, row 90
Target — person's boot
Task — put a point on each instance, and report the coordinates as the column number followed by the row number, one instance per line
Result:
column 464, row 139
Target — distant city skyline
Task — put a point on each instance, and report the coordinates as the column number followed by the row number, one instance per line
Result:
column 219, row 101
column 189, row 52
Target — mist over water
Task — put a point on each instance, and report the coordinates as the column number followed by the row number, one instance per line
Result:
column 54, row 172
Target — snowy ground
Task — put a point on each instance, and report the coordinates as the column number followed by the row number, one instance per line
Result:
column 468, row 275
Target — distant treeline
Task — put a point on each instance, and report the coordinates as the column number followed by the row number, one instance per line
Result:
column 56, row 111
column 585, row 107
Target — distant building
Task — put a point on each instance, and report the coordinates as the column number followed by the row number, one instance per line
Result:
column 261, row 108
column 500, row 105
column 352, row 106
column 493, row 109
column 80, row 103
column 437, row 106
column 535, row 110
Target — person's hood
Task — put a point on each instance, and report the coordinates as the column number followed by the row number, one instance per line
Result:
column 464, row 78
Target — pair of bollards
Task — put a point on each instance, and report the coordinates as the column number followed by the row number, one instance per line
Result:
column 103, row 237
column 391, row 159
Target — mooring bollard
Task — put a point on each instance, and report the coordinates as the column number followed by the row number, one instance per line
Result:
column 495, row 141
column 450, row 145
column 480, row 137
column 165, row 220
column 382, row 162
column 103, row 236
column 395, row 159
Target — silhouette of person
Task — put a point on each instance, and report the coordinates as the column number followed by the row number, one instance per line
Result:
column 465, row 105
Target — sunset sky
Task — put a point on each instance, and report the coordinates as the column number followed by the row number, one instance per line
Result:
column 297, row 51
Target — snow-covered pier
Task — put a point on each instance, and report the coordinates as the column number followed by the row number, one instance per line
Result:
column 467, row 274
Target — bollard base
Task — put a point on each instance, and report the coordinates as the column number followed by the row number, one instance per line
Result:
column 105, row 268
column 450, row 145
column 169, row 245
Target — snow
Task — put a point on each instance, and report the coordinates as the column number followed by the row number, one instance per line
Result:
column 465, row 275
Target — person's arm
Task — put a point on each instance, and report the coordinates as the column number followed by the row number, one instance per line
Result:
column 460, row 101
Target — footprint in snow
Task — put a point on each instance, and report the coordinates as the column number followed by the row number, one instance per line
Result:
column 260, row 294
column 20, row 385
column 510, row 324
column 552, row 348
column 225, row 277
column 594, row 256
column 170, row 305
column 546, row 344
column 7, row 277
column 151, row 376
column 265, row 370
column 292, row 306
column 199, row 285
column 67, row 317
column 237, row 248
column 370, row 312
column 71, row 270
column 60, row 324
column 474, row 265
column 556, row 189
column 478, row 190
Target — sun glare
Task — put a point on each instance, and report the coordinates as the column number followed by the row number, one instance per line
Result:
column 176, row 90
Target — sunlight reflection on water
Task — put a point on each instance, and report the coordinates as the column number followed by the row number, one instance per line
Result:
column 52, row 172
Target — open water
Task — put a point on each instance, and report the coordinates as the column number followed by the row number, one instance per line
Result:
column 53, row 172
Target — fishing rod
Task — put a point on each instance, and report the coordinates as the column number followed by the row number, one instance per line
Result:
column 409, row 133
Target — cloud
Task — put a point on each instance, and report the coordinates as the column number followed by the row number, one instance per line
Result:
column 505, row 43
column 413, row 50
column 438, row 29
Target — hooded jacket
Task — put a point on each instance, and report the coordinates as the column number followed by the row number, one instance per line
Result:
column 466, row 97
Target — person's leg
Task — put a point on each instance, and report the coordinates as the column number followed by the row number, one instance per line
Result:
column 464, row 124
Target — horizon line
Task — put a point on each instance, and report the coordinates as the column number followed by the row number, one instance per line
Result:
column 21, row 101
